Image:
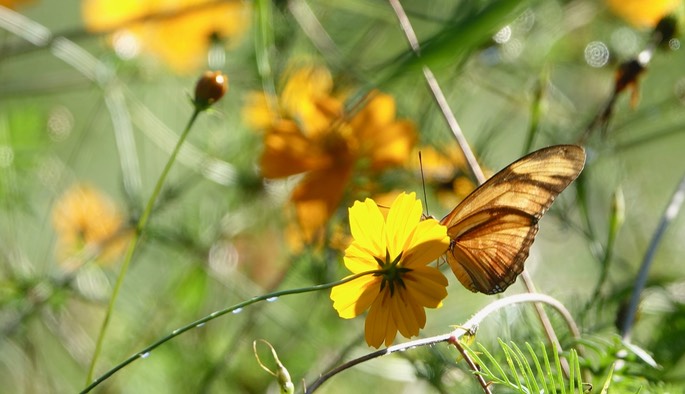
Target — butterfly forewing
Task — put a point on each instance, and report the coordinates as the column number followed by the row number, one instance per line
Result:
column 493, row 228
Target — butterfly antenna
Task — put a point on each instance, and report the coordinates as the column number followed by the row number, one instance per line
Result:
column 423, row 183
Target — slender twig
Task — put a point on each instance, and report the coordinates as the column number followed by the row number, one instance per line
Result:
column 473, row 165
column 472, row 365
column 140, row 227
column 314, row 30
column 667, row 217
column 264, row 45
column 470, row 326
column 144, row 353
column 535, row 112
column 439, row 96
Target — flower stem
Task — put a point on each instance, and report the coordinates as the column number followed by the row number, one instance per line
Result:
column 200, row 322
column 671, row 211
column 469, row 326
column 140, row 227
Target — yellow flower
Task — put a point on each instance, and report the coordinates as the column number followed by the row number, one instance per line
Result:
column 180, row 32
column 306, row 98
column 642, row 13
column 310, row 132
column 399, row 249
column 12, row 4
column 85, row 218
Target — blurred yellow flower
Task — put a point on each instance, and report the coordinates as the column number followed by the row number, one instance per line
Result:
column 399, row 249
column 311, row 133
column 642, row 13
column 448, row 172
column 180, row 32
column 306, row 98
column 85, row 218
column 12, row 4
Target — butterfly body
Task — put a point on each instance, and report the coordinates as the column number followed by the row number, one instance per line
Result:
column 493, row 228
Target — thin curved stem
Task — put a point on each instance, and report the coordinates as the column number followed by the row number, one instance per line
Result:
column 144, row 353
column 140, row 227
column 671, row 211
column 470, row 326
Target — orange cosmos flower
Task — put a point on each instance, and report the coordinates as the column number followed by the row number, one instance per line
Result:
column 399, row 249
column 85, row 218
column 311, row 133
column 642, row 13
column 180, row 32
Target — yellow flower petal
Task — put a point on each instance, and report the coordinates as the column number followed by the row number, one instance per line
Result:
column 643, row 13
column 409, row 316
column 258, row 112
column 352, row 298
column 367, row 226
column 429, row 242
column 404, row 215
column 287, row 152
column 317, row 197
column 102, row 15
column 386, row 141
column 359, row 259
column 393, row 146
column 306, row 98
column 426, row 285
column 380, row 327
column 376, row 323
column 401, row 314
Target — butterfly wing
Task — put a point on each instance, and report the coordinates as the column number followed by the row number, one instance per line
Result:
column 493, row 228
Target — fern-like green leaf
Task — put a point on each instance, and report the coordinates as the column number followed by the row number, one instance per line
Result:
column 538, row 368
column 528, row 372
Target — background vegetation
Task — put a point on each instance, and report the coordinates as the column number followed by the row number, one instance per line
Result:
column 80, row 107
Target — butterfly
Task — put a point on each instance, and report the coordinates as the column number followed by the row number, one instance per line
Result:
column 492, row 229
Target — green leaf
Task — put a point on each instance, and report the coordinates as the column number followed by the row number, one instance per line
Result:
column 456, row 40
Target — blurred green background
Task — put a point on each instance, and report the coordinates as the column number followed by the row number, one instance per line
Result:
column 76, row 109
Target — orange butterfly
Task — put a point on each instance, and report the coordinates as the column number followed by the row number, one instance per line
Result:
column 493, row 228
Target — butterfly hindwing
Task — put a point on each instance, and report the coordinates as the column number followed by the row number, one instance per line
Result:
column 490, row 256
column 491, row 231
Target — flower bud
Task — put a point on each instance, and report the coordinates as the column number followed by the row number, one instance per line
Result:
column 210, row 88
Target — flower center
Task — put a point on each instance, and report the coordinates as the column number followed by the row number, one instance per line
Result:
column 391, row 271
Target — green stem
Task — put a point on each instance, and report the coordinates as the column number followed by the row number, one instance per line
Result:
column 199, row 323
column 535, row 114
column 615, row 222
column 140, row 227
